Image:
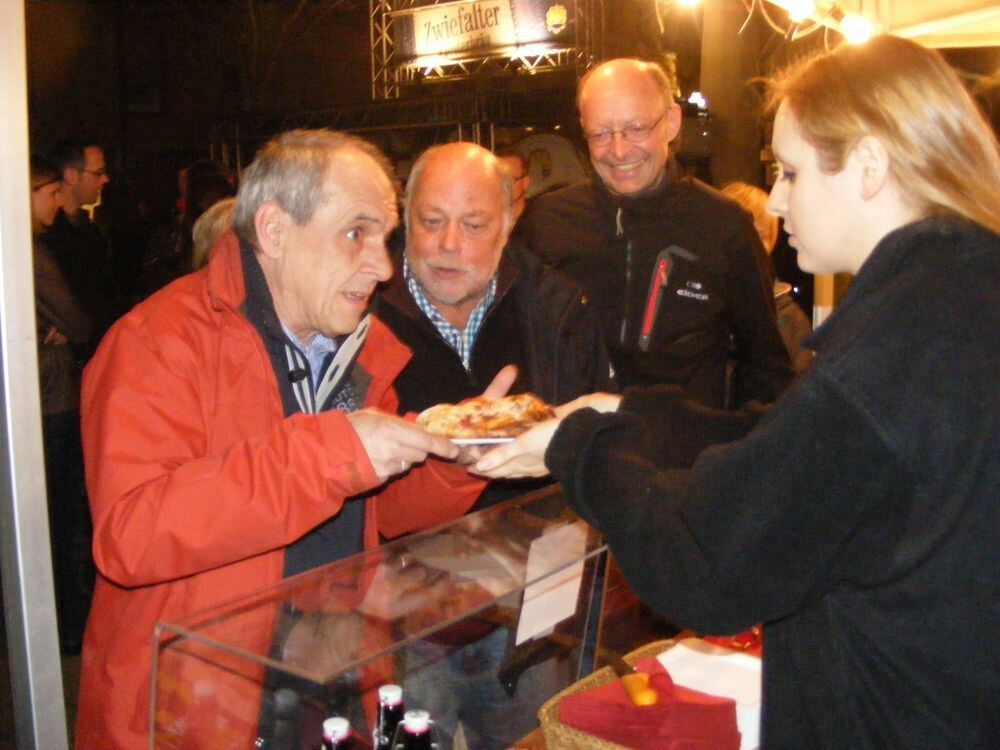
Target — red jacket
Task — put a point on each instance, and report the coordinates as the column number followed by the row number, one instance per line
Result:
column 197, row 482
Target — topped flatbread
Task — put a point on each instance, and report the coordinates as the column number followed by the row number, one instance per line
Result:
column 483, row 417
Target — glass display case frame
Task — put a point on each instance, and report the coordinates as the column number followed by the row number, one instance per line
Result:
column 480, row 621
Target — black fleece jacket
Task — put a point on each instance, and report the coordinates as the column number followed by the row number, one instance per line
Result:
column 540, row 321
column 859, row 519
column 681, row 284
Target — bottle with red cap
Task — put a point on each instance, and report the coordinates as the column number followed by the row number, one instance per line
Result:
column 336, row 734
column 414, row 732
column 390, row 713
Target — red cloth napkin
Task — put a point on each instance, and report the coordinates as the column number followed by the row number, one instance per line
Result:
column 681, row 719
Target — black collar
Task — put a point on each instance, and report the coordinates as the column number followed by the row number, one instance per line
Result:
column 650, row 200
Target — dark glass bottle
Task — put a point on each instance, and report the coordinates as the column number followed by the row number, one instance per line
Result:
column 279, row 724
column 336, row 734
column 390, row 713
column 414, row 733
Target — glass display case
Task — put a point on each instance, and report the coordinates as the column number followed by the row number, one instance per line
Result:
column 479, row 621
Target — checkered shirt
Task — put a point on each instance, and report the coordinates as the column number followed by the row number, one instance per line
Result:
column 460, row 339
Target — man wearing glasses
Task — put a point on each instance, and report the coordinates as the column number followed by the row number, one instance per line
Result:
column 676, row 271
column 79, row 246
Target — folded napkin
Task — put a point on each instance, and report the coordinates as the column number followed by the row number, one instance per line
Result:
column 681, row 719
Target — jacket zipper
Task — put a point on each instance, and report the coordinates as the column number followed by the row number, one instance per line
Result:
column 627, row 307
column 657, row 283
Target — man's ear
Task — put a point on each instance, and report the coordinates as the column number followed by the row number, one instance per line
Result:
column 673, row 121
column 873, row 160
column 508, row 226
column 270, row 222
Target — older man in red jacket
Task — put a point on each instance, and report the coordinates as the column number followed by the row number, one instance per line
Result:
column 228, row 430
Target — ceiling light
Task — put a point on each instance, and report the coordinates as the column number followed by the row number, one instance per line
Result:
column 800, row 10
column 698, row 99
column 856, row 29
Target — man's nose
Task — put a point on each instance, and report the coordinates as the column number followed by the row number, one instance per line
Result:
column 619, row 146
column 451, row 237
column 380, row 263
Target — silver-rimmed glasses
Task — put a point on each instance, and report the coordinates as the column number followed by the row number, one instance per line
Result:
column 634, row 133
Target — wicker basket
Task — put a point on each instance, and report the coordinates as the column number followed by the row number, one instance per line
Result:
column 559, row 736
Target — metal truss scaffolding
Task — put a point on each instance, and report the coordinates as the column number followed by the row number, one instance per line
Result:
column 393, row 75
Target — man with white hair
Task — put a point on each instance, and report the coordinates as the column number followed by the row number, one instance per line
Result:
column 239, row 424
column 676, row 271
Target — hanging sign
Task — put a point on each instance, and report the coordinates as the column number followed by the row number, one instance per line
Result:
column 479, row 26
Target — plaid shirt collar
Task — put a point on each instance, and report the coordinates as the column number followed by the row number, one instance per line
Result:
column 460, row 339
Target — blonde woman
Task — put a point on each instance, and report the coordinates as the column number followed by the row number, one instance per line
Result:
column 208, row 228
column 859, row 519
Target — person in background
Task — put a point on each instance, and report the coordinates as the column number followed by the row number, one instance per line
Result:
column 520, row 182
column 222, row 452
column 678, row 276
column 79, row 246
column 467, row 303
column 858, row 519
column 61, row 322
column 208, row 228
column 169, row 254
column 793, row 325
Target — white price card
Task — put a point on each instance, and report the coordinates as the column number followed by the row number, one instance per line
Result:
column 552, row 599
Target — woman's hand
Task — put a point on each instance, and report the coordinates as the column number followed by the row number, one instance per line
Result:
column 525, row 457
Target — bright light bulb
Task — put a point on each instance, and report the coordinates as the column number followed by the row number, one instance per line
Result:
column 800, row 10
column 688, row 3
column 698, row 99
column 856, row 29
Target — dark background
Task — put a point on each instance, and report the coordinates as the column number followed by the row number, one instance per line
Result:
column 164, row 82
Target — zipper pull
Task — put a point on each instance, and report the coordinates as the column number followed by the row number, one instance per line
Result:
column 657, row 283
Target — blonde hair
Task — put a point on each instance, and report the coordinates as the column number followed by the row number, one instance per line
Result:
column 943, row 154
column 754, row 202
column 215, row 220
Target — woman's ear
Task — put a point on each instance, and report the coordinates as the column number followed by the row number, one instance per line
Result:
column 270, row 223
column 874, row 162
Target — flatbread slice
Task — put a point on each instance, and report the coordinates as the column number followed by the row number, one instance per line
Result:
column 483, row 417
